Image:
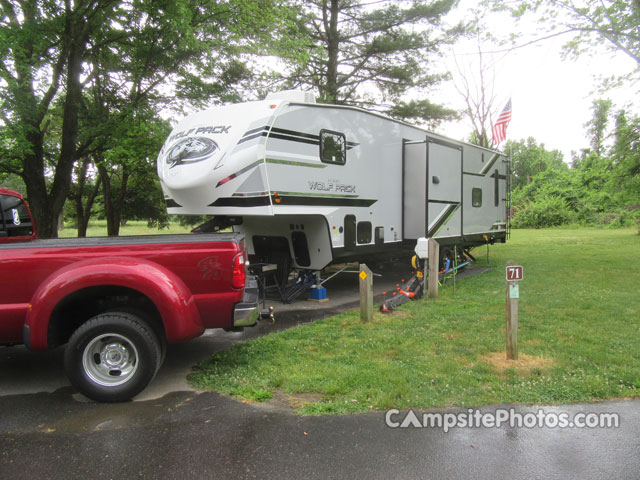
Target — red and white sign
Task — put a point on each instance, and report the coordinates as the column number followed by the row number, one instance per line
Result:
column 514, row 273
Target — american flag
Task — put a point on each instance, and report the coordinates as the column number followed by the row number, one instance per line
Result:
column 500, row 127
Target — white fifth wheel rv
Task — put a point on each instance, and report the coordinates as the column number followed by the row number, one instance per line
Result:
column 312, row 184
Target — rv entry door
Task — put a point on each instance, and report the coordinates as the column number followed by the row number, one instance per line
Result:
column 432, row 189
column 414, row 193
column 444, row 190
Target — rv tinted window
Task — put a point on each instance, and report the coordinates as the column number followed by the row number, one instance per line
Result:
column 300, row 248
column 364, row 232
column 379, row 235
column 350, row 231
column 476, row 197
column 333, row 147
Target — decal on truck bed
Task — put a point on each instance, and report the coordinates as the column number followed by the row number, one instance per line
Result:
column 210, row 268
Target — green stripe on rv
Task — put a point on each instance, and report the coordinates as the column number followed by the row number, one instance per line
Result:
column 294, row 164
column 313, row 194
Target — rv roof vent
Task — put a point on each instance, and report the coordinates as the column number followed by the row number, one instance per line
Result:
column 293, row 96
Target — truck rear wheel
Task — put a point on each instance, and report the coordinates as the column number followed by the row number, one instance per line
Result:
column 112, row 357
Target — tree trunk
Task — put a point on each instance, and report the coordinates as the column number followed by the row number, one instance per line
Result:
column 29, row 115
column 83, row 211
column 34, row 178
column 330, row 19
column 46, row 204
column 82, row 228
column 108, row 203
column 66, row 160
column 113, row 209
column 117, row 217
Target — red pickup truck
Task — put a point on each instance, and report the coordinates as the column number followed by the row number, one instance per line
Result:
column 116, row 302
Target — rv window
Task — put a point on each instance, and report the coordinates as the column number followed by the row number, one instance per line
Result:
column 333, row 147
column 300, row 248
column 364, row 232
column 476, row 197
column 349, row 231
column 379, row 235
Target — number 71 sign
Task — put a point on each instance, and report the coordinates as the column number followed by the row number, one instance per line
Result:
column 514, row 273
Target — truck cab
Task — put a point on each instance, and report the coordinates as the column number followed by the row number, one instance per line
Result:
column 16, row 222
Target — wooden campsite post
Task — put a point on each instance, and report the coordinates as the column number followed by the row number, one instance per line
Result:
column 366, row 293
column 434, row 260
column 514, row 273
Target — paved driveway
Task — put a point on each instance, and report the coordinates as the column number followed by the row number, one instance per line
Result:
column 189, row 435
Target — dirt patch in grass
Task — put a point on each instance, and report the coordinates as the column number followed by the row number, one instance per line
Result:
column 295, row 401
column 523, row 366
column 453, row 335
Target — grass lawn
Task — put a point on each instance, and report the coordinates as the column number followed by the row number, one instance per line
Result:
column 98, row 228
column 579, row 338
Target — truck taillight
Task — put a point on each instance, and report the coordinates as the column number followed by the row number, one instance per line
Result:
column 239, row 275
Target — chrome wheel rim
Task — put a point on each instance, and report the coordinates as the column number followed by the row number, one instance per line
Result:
column 110, row 360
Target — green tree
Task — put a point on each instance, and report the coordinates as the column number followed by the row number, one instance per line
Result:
column 601, row 187
column 148, row 202
column 12, row 182
column 369, row 53
column 528, row 159
column 83, row 193
column 154, row 51
column 597, row 126
column 127, row 172
column 612, row 24
column 625, row 180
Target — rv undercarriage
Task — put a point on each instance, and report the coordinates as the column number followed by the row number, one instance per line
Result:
column 276, row 275
column 289, row 254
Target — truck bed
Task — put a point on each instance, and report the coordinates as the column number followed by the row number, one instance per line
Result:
column 200, row 263
column 125, row 240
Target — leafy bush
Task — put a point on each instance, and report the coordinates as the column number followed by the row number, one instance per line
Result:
column 601, row 187
column 549, row 211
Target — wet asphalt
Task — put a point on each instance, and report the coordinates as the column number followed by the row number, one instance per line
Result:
column 170, row 431
column 190, row 435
